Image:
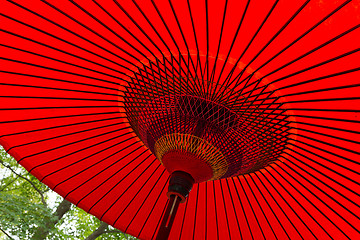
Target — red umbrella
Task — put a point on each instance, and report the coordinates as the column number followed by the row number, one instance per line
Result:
column 254, row 105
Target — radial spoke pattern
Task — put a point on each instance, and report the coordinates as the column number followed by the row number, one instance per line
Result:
column 76, row 75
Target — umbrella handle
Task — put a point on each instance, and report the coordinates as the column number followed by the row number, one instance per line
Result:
column 180, row 185
column 168, row 218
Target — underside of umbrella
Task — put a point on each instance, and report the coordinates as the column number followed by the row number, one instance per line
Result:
column 247, row 112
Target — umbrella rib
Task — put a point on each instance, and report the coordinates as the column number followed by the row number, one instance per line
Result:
column 111, row 176
column 261, row 209
column 76, row 34
column 278, row 114
column 216, row 217
column 62, row 51
column 196, row 208
column 267, row 203
column 130, row 185
column 66, row 98
column 266, row 108
column 304, row 55
column 139, row 27
column 233, row 206
column 273, row 124
column 281, row 196
column 183, row 37
column 298, row 72
column 251, row 207
column 206, row 207
column 59, row 80
column 58, row 38
column 242, row 207
column 226, row 214
column 328, row 127
column 57, row 107
column 127, row 30
column 319, row 199
column 314, row 109
column 141, row 79
column 326, row 90
column 56, row 159
column 173, row 77
column 65, row 125
column 161, row 217
column 327, row 185
column 311, row 80
column 322, row 77
column 207, row 64
column 155, row 83
column 61, row 61
column 61, row 89
column 146, row 198
column 211, row 79
column 160, row 76
column 65, row 135
column 77, row 5
column 270, row 127
column 315, row 49
column 304, row 34
column 223, row 201
column 331, row 145
column 110, row 30
column 326, row 167
column 306, row 116
column 198, row 62
column 306, row 211
column 232, row 44
column 329, row 152
column 92, row 165
column 328, row 160
column 172, row 37
column 228, row 77
column 88, row 167
column 310, row 92
column 54, row 117
column 59, row 70
column 183, row 218
column 153, row 28
column 153, row 206
column 238, row 77
column 262, row 112
column 74, row 142
column 94, row 32
column 303, row 82
column 327, row 135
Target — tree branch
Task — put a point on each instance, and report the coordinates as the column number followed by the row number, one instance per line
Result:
column 113, row 231
column 100, row 230
column 28, row 180
column 42, row 232
column 6, row 234
column 15, row 178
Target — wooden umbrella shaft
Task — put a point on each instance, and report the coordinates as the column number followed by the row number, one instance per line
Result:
column 168, row 218
column 180, row 185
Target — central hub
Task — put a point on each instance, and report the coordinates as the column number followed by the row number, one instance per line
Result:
column 207, row 129
column 194, row 135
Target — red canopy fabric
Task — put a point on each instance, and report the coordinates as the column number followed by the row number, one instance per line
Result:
column 65, row 68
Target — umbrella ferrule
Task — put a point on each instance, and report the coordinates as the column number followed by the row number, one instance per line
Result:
column 180, row 184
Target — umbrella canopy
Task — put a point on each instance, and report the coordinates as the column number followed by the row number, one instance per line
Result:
column 258, row 101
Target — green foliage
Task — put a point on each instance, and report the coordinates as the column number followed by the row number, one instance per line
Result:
column 78, row 224
column 19, row 217
column 26, row 204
